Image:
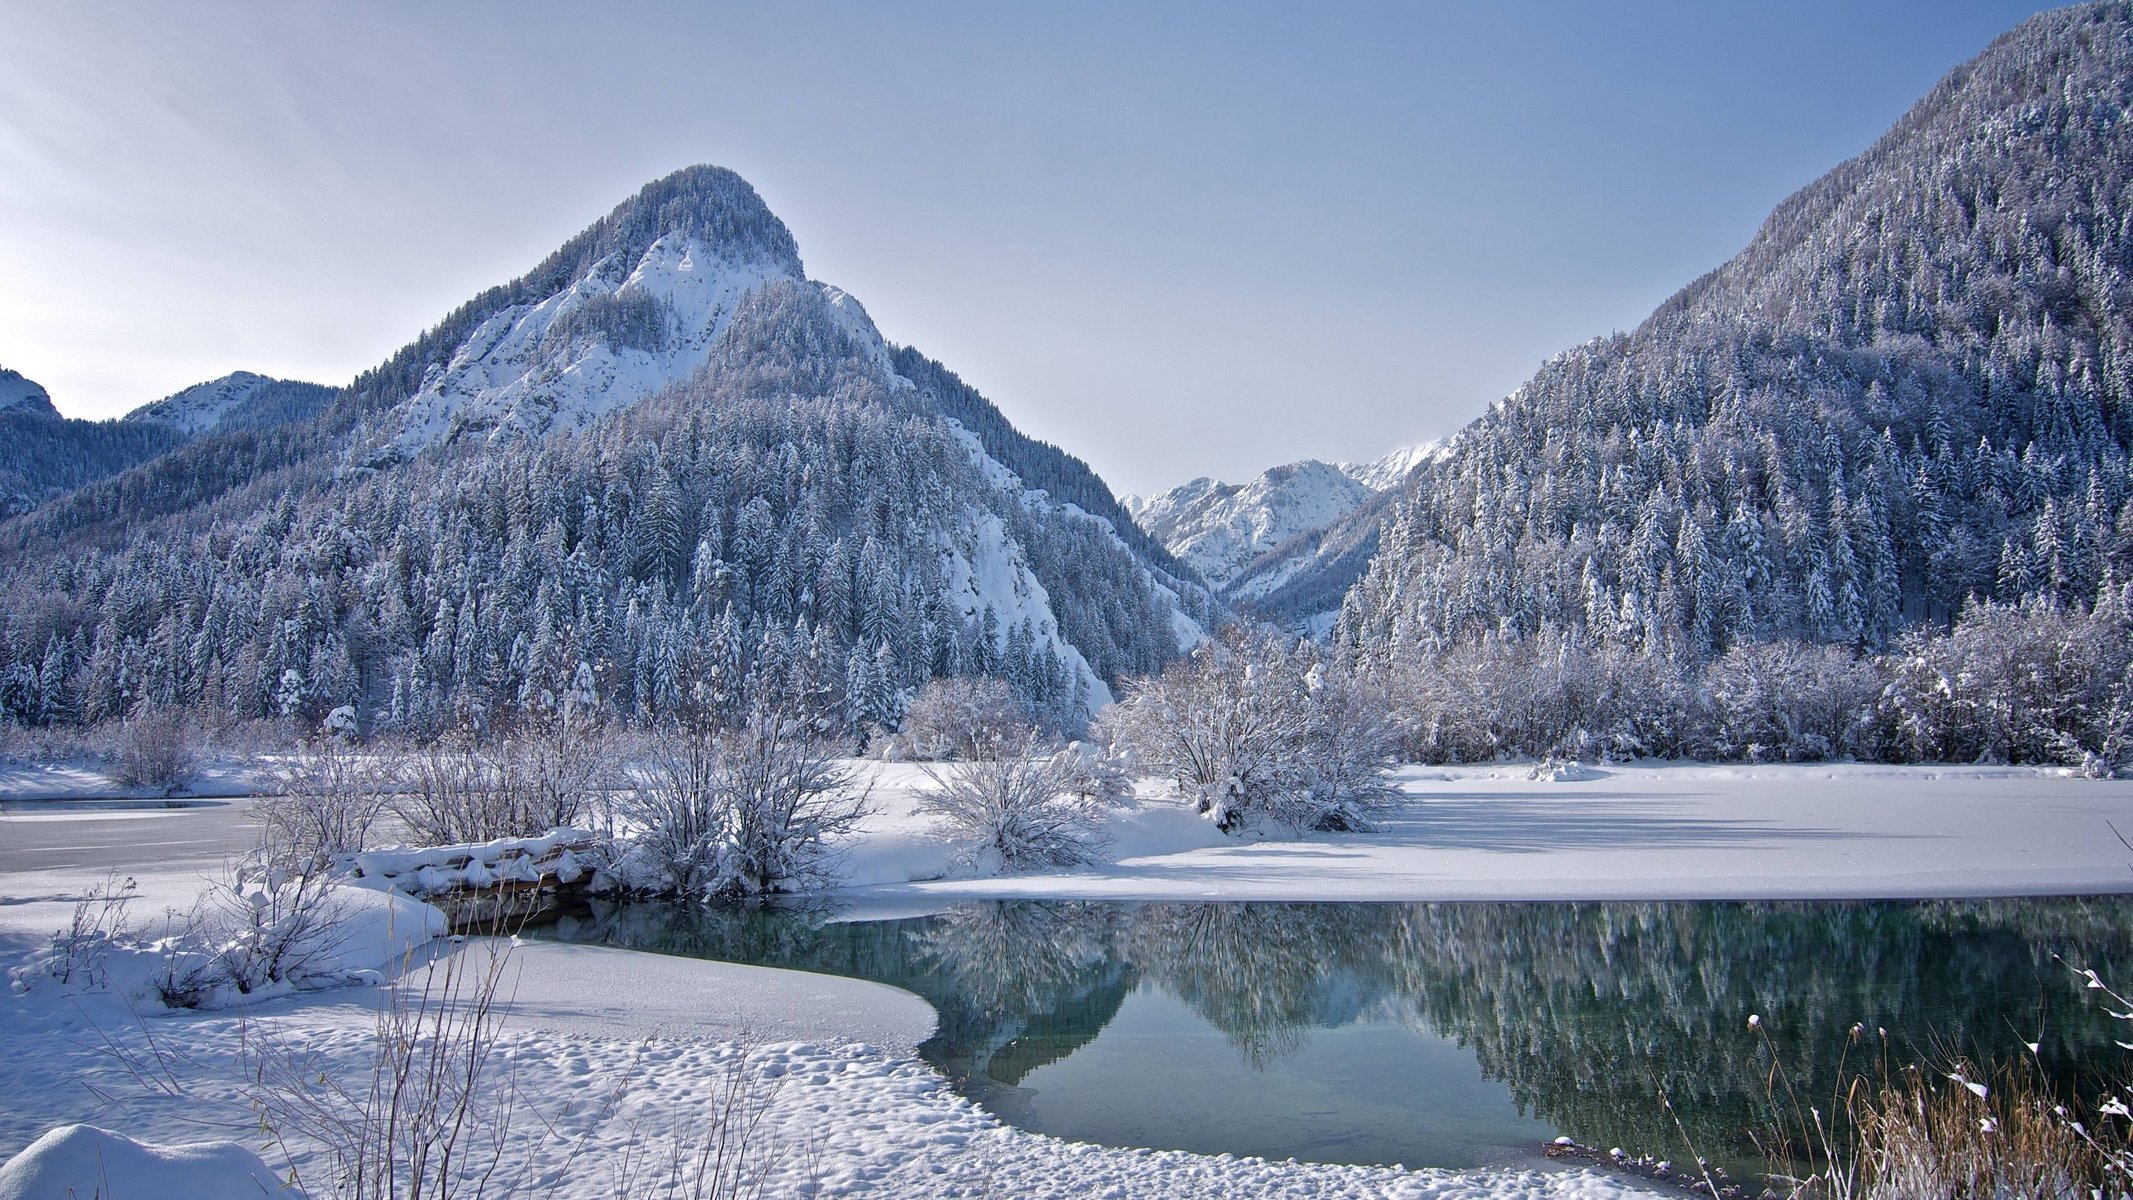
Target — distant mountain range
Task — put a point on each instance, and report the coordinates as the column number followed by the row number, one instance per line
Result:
column 1250, row 540
column 44, row 455
column 661, row 469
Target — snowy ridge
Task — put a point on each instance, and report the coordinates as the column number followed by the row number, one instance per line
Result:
column 1392, row 470
column 624, row 331
column 22, row 396
column 199, row 407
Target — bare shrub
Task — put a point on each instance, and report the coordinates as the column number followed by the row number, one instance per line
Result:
column 1017, row 809
column 437, row 1113
column 465, row 789
column 76, row 954
column 719, row 1151
column 329, row 795
column 553, row 777
column 447, row 795
column 738, row 813
column 961, row 717
column 425, row 1123
column 154, row 750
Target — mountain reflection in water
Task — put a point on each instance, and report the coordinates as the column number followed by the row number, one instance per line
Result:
column 1437, row 1034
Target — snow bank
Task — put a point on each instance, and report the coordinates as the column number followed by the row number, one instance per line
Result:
column 84, row 1161
column 434, row 870
column 898, row 844
column 242, row 945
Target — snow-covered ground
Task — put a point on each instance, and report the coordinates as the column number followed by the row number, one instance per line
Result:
column 1663, row 831
column 609, row 1054
column 613, row 1050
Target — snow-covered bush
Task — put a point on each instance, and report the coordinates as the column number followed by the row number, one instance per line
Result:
column 2016, row 683
column 736, row 813
column 961, row 717
column 266, row 929
column 155, row 750
column 787, row 795
column 2025, row 683
column 1255, row 729
column 1788, row 701
column 1096, row 772
column 1017, row 809
column 675, row 816
column 1549, row 695
column 463, row 788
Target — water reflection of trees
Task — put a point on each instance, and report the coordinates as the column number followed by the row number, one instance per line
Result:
column 1263, row 974
column 1587, row 1012
column 1021, row 983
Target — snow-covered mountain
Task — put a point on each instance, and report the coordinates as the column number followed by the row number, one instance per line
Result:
column 44, row 456
column 1389, row 472
column 1221, row 528
column 1247, row 539
column 663, row 465
column 1911, row 391
column 24, row 397
column 239, row 399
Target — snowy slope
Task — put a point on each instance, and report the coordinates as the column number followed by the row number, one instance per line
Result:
column 23, row 396
column 627, row 329
column 203, row 406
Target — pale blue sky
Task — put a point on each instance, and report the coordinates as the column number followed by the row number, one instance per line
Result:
column 1179, row 240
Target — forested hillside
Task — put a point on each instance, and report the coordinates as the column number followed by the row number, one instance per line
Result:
column 1913, row 390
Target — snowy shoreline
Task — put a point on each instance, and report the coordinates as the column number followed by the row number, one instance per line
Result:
column 659, row 1031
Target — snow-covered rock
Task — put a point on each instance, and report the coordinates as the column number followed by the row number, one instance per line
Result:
column 1390, row 471
column 24, row 396
column 628, row 328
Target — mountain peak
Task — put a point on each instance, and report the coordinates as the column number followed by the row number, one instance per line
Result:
column 712, row 205
column 23, row 396
column 631, row 305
